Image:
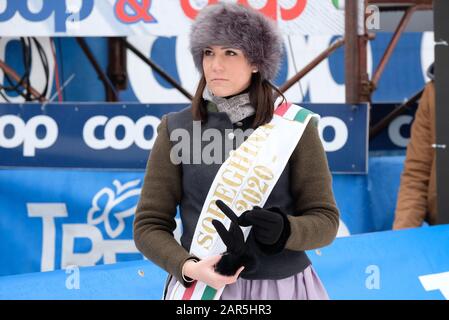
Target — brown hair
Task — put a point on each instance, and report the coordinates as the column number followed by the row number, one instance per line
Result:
column 261, row 96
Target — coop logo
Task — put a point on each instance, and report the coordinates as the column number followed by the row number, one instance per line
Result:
column 62, row 11
column 341, row 133
column 99, row 133
column 107, row 219
column 133, row 132
column 270, row 9
column 25, row 133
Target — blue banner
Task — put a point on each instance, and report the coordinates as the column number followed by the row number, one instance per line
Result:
column 396, row 135
column 120, row 136
column 79, row 135
column 407, row 264
column 344, row 132
column 53, row 218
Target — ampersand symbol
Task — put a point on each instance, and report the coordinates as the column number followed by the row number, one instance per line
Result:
column 141, row 11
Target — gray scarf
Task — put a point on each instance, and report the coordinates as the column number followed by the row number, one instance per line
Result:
column 237, row 108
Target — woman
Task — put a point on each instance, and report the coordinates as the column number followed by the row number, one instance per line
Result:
column 238, row 52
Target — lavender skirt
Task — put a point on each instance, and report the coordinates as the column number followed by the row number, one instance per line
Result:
column 302, row 286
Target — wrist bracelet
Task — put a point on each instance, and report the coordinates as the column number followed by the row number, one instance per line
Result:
column 185, row 278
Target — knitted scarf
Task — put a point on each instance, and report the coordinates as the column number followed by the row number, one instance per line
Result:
column 237, row 107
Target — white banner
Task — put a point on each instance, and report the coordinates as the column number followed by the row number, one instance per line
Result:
column 154, row 17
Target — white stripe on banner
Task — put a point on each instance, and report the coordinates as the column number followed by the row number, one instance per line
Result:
column 291, row 112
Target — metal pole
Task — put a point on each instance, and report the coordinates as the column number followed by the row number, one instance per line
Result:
column 326, row 53
column 157, row 69
column 8, row 70
column 441, row 12
column 117, row 68
column 111, row 94
column 356, row 76
column 394, row 41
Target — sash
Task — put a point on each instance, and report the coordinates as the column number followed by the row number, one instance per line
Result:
column 243, row 181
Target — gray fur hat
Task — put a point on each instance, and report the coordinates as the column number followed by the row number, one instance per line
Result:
column 234, row 25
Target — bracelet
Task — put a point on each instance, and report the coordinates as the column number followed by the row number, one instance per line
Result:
column 185, row 278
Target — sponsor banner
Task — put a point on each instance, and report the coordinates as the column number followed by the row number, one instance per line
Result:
column 150, row 17
column 53, row 218
column 344, row 132
column 79, row 136
column 361, row 267
column 397, row 134
column 405, row 75
column 120, row 136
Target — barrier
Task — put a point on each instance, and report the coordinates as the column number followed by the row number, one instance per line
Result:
column 407, row 264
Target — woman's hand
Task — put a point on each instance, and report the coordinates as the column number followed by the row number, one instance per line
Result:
column 270, row 227
column 204, row 271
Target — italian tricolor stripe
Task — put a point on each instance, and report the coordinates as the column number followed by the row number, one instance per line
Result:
column 208, row 293
column 280, row 110
column 189, row 292
column 293, row 112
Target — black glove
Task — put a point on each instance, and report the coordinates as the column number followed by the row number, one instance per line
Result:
column 238, row 251
column 271, row 227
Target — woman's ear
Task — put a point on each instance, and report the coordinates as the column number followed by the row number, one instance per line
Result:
column 254, row 68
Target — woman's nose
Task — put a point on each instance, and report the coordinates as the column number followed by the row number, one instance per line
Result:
column 217, row 63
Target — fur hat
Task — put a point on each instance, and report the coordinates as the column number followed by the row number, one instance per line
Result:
column 234, row 25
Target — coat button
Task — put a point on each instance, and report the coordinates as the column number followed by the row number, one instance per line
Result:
column 231, row 135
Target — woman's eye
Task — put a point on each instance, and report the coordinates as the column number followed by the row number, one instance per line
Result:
column 207, row 52
column 231, row 53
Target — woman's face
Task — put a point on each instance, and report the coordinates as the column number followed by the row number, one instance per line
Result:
column 227, row 71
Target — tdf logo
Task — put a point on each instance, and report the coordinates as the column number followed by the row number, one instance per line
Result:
column 37, row 11
column 109, row 223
